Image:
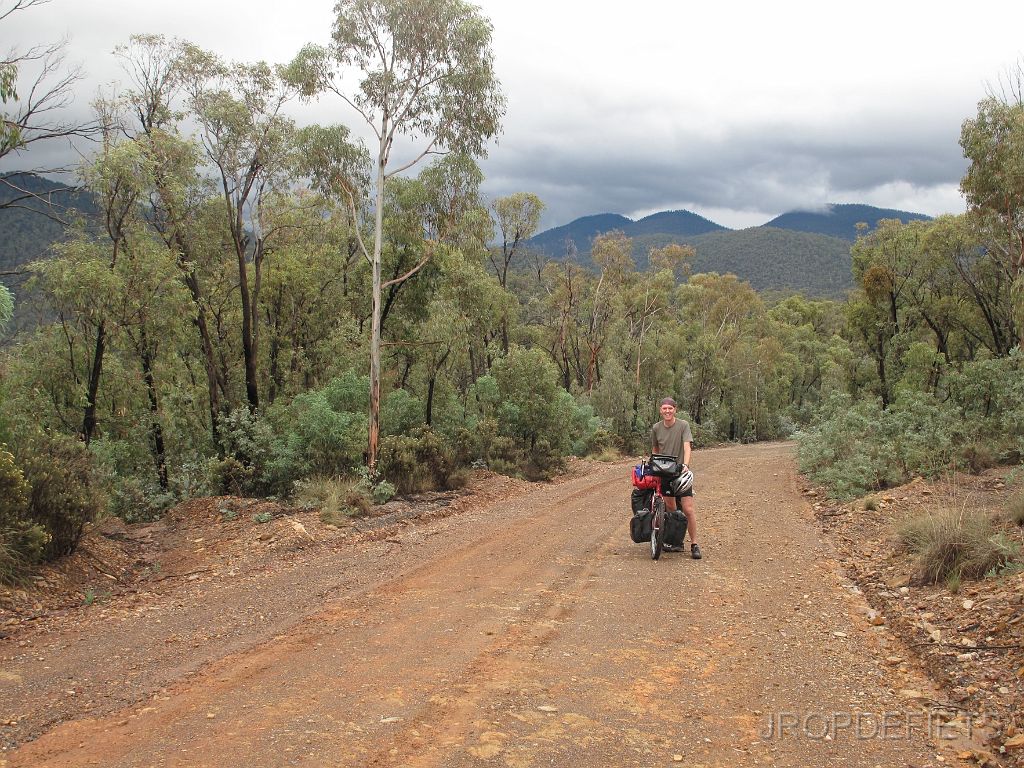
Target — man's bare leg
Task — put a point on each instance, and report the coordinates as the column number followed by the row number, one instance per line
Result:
column 691, row 517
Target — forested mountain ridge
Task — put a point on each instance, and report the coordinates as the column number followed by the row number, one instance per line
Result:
column 33, row 215
column 803, row 251
column 25, row 232
column 770, row 258
column 837, row 220
column 841, row 220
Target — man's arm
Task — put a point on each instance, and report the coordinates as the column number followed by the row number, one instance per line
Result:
column 686, row 453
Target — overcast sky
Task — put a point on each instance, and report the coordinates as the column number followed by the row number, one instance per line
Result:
column 738, row 111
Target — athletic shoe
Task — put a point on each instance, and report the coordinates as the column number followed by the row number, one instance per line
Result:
column 695, row 552
column 673, row 548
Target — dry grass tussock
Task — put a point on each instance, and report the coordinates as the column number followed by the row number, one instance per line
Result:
column 339, row 499
column 1015, row 509
column 956, row 543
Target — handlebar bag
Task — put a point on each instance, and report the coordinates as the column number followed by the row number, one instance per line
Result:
column 664, row 466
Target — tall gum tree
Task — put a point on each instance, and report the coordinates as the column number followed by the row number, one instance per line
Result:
column 247, row 141
column 422, row 70
column 518, row 216
column 994, row 186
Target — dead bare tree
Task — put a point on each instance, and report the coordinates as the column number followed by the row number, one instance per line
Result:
column 38, row 85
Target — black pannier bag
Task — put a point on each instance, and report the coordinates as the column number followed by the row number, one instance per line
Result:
column 675, row 528
column 640, row 527
column 641, row 499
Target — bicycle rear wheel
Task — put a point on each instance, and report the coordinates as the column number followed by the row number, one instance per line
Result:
column 657, row 527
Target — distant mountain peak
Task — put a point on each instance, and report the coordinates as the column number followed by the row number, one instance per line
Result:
column 582, row 231
column 840, row 219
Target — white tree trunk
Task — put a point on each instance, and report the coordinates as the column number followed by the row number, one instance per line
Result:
column 375, row 309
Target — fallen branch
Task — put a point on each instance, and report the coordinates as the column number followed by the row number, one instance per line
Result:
column 100, row 564
column 182, row 575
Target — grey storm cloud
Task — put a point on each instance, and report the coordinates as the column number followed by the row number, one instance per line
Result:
column 659, row 105
column 759, row 169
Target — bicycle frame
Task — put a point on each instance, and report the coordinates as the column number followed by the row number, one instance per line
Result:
column 659, row 515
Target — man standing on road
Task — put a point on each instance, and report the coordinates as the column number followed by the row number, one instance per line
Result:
column 672, row 437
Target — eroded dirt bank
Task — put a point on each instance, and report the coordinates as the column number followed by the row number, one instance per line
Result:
column 520, row 628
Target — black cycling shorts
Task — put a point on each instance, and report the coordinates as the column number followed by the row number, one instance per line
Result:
column 666, row 488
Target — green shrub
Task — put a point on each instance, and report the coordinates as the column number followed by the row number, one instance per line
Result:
column 21, row 542
column 247, row 443
column 318, row 436
column 419, row 461
column 13, row 565
column 64, row 495
column 195, row 477
column 129, row 480
column 138, row 501
column 382, row 492
column 923, row 433
column 543, row 461
column 230, row 476
column 844, row 449
column 525, row 423
column 956, row 544
column 349, row 392
column 401, row 412
column 853, row 448
column 989, row 393
column 590, row 433
column 14, row 490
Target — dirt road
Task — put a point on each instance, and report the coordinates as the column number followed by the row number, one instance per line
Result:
column 526, row 632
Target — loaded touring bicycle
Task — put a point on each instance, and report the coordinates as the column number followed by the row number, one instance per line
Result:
column 651, row 521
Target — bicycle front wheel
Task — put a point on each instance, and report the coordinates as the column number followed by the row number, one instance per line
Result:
column 657, row 527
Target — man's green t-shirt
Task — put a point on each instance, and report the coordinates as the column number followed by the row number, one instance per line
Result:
column 670, row 440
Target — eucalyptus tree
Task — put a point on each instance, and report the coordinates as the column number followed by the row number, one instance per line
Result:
column 464, row 309
column 994, row 183
column 715, row 312
column 565, row 285
column 178, row 204
column 453, row 212
column 809, row 331
column 885, row 266
column 419, row 70
column 306, row 298
column 248, row 142
column 645, row 300
column 612, row 254
column 994, row 187
column 518, row 216
column 118, row 180
column 117, row 301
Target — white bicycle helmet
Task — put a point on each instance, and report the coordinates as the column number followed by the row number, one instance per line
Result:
column 683, row 483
